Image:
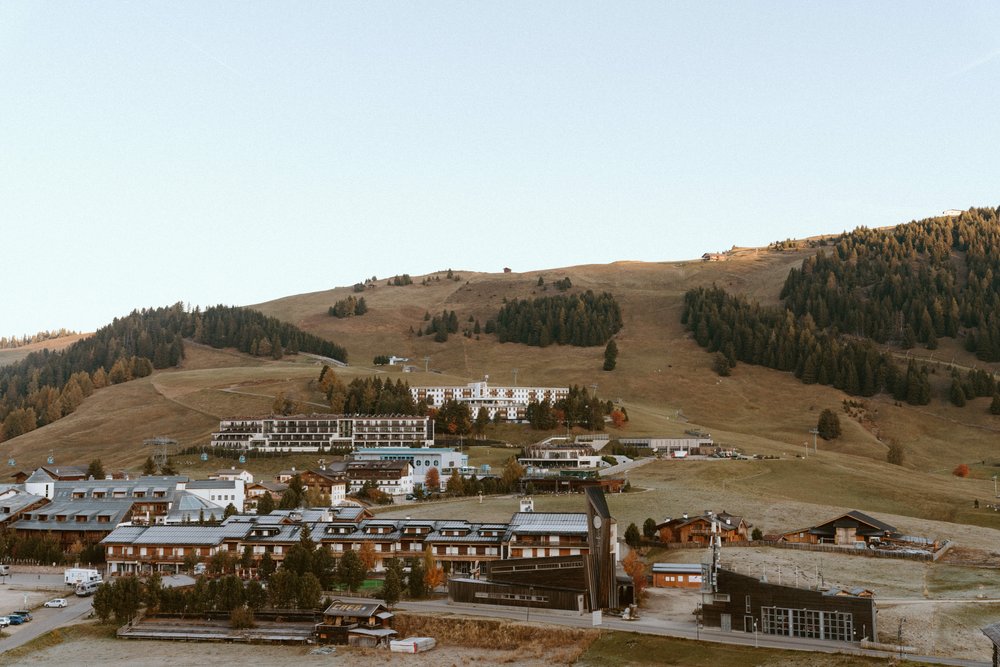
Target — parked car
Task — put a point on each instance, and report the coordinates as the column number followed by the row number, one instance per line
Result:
column 199, row 568
column 15, row 619
column 23, row 613
column 57, row 602
column 4, row 621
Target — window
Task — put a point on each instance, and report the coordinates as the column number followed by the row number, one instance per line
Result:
column 748, row 604
column 720, row 597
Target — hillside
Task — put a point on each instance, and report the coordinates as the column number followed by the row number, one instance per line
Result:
column 663, row 377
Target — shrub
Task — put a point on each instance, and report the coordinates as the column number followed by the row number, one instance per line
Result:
column 961, row 470
column 241, row 618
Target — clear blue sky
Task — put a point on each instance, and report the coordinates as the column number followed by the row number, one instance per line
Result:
column 234, row 152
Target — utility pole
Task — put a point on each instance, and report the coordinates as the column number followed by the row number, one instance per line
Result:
column 426, row 360
column 815, row 432
column 995, row 495
column 515, row 376
column 899, row 638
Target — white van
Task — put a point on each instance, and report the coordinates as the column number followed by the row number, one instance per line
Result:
column 88, row 588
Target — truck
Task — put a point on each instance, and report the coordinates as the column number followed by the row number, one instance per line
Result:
column 79, row 575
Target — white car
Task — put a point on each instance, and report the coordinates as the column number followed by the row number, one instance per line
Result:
column 58, row 602
column 4, row 621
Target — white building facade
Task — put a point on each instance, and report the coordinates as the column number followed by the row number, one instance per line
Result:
column 511, row 403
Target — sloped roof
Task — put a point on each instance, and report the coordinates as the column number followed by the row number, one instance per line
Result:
column 39, row 476
column 595, row 495
column 993, row 632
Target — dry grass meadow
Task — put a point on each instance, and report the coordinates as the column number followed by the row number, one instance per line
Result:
column 665, row 382
column 662, row 378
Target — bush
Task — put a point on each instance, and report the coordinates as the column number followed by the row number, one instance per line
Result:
column 961, row 470
column 756, row 535
column 241, row 618
column 895, row 455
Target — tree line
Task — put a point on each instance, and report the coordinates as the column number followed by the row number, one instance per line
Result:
column 738, row 330
column 584, row 320
column 47, row 385
column 14, row 342
column 914, row 283
column 368, row 395
column 579, row 408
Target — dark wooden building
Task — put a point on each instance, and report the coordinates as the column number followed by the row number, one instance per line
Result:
column 745, row 603
column 846, row 530
column 346, row 615
column 583, row 581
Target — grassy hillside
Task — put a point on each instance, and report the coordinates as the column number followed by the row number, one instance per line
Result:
column 14, row 355
column 663, row 378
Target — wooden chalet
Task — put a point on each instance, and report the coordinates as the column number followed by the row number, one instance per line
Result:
column 846, row 530
column 358, row 621
column 698, row 529
column 677, row 575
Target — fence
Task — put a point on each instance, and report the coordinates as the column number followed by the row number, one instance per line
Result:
column 825, row 548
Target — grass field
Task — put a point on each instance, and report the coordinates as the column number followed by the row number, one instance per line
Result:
column 619, row 649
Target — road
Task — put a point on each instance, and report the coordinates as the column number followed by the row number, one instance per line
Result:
column 46, row 620
column 655, row 626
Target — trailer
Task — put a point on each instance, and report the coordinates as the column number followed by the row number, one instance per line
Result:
column 79, row 575
column 412, row 645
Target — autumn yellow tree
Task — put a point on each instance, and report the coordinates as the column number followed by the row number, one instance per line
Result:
column 367, row 555
column 433, row 573
column 635, row 568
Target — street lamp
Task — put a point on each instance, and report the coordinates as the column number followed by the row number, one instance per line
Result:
column 755, row 644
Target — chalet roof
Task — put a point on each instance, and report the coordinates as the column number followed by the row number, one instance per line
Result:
column 171, row 535
column 854, row 516
column 11, row 505
column 39, row 477
column 114, row 510
column 274, row 487
column 355, row 607
column 993, row 632
column 677, row 568
column 540, row 523
column 211, row 484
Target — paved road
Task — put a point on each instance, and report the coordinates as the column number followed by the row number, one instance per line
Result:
column 46, row 620
column 656, row 626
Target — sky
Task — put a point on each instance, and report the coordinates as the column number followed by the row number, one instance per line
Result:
column 237, row 152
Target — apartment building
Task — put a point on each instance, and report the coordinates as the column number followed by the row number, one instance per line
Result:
column 316, row 433
column 510, row 403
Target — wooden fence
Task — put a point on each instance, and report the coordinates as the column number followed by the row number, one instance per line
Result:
column 824, row 548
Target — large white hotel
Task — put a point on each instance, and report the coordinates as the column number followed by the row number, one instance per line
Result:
column 510, row 402
column 313, row 433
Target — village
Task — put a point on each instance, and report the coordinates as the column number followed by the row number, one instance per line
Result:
column 310, row 557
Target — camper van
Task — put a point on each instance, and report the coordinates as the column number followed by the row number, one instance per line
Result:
column 88, row 588
column 79, row 575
